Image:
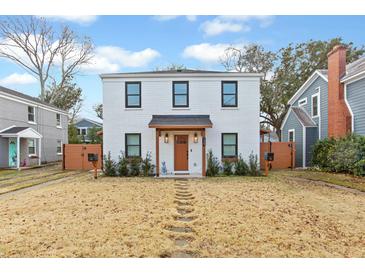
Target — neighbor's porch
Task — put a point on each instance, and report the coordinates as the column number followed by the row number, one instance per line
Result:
column 21, row 147
column 180, row 144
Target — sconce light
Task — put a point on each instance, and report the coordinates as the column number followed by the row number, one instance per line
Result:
column 195, row 137
column 166, row 139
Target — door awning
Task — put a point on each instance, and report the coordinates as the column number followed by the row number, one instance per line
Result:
column 22, row 132
column 180, row 121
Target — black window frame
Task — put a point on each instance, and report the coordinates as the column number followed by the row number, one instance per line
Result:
column 173, row 94
column 236, row 94
column 236, row 145
column 140, row 94
column 126, row 145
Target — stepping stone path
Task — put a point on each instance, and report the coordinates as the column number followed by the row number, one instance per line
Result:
column 184, row 205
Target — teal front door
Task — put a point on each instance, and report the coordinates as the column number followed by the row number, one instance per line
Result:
column 12, row 152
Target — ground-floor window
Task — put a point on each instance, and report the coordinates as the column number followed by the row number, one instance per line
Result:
column 291, row 135
column 229, row 145
column 31, row 146
column 59, row 147
column 133, row 144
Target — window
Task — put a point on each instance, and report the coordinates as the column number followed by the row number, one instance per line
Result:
column 31, row 114
column 59, row 147
column 180, row 94
column 291, row 135
column 133, row 144
column 315, row 101
column 229, row 145
column 302, row 102
column 31, row 146
column 133, row 94
column 78, row 131
column 229, row 94
column 58, row 120
column 83, row 131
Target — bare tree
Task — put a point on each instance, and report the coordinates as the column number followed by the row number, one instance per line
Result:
column 32, row 43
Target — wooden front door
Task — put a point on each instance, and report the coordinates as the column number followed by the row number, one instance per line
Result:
column 181, row 152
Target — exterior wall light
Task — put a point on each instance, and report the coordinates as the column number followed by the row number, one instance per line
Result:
column 166, row 139
column 195, row 137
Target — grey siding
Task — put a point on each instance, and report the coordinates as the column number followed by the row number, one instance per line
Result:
column 356, row 100
column 16, row 113
column 311, row 139
column 293, row 123
column 86, row 123
column 312, row 89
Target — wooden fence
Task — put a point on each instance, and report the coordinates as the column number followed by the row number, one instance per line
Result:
column 284, row 154
column 75, row 156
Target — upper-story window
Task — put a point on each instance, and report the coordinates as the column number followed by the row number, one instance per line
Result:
column 229, row 94
column 31, row 114
column 315, row 105
column 302, row 102
column 133, row 94
column 180, row 94
column 58, row 120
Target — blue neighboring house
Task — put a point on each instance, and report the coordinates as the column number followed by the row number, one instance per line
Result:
column 83, row 125
column 331, row 103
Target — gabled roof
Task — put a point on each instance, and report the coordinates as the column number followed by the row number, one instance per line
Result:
column 23, row 132
column 180, row 121
column 310, row 80
column 354, row 69
column 100, row 124
column 27, row 97
column 303, row 117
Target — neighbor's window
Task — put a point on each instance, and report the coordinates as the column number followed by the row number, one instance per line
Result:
column 31, row 114
column 229, row 145
column 315, row 105
column 78, row 131
column 133, row 145
column 59, row 147
column 302, row 102
column 133, row 94
column 291, row 135
column 229, row 94
column 83, row 131
column 31, row 146
column 58, row 119
column 180, row 94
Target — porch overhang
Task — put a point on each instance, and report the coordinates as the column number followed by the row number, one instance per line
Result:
column 180, row 122
column 21, row 132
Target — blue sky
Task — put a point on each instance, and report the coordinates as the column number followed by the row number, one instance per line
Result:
column 136, row 43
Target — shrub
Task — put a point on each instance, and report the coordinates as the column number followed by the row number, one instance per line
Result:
column 240, row 167
column 213, row 164
column 109, row 166
column 122, row 165
column 340, row 155
column 135, row 166
column 359, row 168
column 147, row 166
column 227, row 167
column 253, row 165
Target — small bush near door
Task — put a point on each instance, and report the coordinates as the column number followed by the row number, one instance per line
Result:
column 110, row 167
column 213, row 165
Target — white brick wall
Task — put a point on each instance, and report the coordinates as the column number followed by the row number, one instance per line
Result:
column 204, row 98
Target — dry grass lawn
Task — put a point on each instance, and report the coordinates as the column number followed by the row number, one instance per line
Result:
column 232, row 217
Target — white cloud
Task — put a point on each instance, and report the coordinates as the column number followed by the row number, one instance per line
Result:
column 190, row 18
column 113, row 59
column 18, row 79
column 234, row 23
column 205, row 52
column 80, row 19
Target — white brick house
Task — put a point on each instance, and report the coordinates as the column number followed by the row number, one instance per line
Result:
column 178, row 116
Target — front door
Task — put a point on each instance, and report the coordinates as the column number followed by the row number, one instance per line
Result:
column 181, row 152
column 12, row 152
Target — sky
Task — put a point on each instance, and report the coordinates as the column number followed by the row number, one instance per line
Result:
column 140, row 43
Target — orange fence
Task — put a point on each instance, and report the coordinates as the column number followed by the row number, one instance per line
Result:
column 75, row 156
column 284, row 154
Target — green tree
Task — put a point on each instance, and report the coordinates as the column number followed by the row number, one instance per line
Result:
column 98, row 108
column 73, row 138
column 93, row 136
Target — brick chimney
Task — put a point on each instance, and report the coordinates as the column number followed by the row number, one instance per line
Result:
column 339, row 117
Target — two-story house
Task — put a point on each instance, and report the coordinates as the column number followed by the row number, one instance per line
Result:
column 31, row 131
column 84, row 125
column 179, row 115
column 331, row 103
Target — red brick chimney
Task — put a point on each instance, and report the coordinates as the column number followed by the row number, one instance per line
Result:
column 339, row 117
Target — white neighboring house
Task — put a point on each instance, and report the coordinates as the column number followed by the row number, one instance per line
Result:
column 178, row 116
